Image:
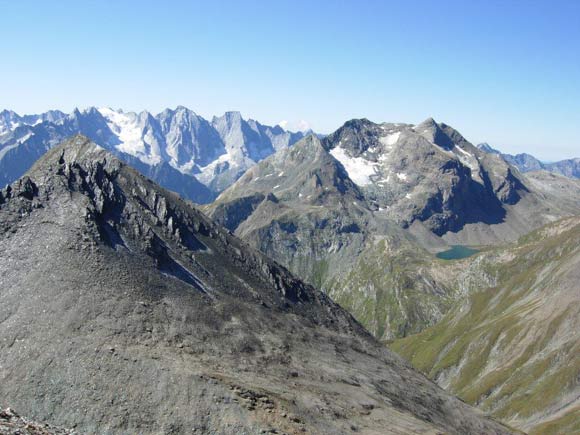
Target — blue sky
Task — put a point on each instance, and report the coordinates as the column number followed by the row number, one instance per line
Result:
column 506, row 72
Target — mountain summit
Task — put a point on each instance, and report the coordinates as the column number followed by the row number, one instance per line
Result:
column 126, row 310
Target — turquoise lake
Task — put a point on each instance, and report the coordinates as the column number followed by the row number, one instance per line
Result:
column 456, row 252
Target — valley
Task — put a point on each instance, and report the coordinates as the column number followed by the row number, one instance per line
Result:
column 512, row 348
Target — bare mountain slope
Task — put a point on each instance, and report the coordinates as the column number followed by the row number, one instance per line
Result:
column 125, row 310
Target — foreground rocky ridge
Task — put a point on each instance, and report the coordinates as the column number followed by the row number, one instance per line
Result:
column 126, row 310
column 513, row 348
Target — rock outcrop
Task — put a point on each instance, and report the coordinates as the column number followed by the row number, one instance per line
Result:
column 13, row 424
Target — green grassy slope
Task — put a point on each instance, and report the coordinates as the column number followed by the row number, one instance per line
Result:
column 514, row 349
column 392, row 292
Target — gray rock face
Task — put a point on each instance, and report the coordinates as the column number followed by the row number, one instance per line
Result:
column 125, row 310
column 569, row 168
column 175, row 148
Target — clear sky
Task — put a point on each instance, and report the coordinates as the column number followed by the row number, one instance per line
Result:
column 506, row 72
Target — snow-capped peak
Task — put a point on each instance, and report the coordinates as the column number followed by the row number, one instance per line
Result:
column 133, row 138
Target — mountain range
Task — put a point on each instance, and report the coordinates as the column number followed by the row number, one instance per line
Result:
column 361, row 213
column 177, row 148
column 126, row 310
column 526, row 162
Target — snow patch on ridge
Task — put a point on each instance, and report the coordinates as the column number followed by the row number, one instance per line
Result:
column 463, row 151
column 206, row 173
column 468, row 159
column 391, row 139
column 358, row 169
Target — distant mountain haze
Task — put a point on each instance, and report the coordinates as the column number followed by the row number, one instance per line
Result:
column 526, row 162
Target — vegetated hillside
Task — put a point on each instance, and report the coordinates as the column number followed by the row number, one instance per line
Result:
column 513, row 349
column 125, row 310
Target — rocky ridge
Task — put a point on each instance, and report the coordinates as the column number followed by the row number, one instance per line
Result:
column 526, row 162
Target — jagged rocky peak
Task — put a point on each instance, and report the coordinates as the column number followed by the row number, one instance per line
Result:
column 113, row 281
column 427, row 178
column 124, row 210
column 487, row 148
column 7, row 117
column 427, row 124
column 10, row 121
column 309, row 147
column 229, row 120
column 176, row 147
column 300, row 179
column 361, row 137
column 356, row 136
column 191, row 141
column 434, row 133
column 233, row 117
column 181, row 117
column 303, row 172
